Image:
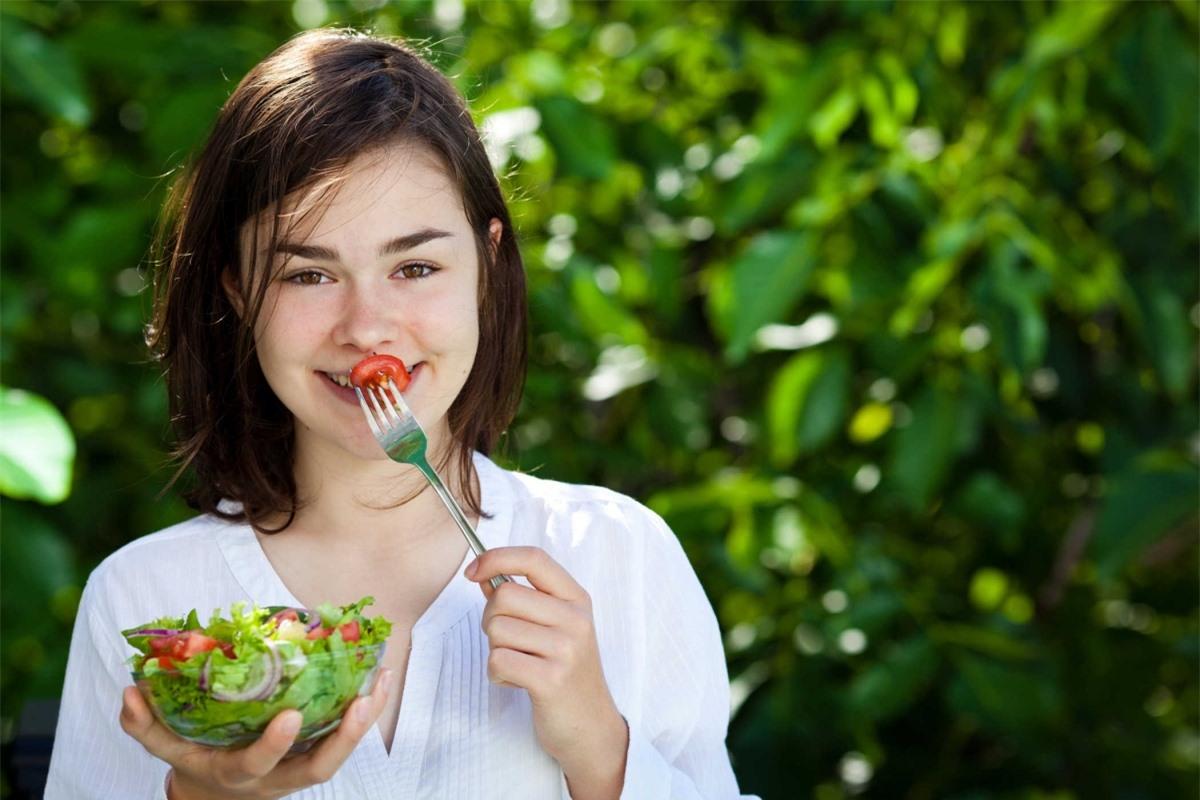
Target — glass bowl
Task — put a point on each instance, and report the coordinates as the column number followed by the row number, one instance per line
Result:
column 224, row 703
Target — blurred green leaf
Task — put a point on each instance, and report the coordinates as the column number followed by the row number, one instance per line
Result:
column 922, row 450
column 1012, row 297
column 894, row 682
column 37, row 563
column 1154, row 51
column 42, row 72
column 992, row 504
column 1005, row 697
column 175, row 125
column 924, row 286
column 952, row 36
column 995, row 644
column 769, row 276
column 885, row 126
column 793, row 92
column 94, row 244
column 806, row 403
column 602, row 316
column 1170, row 341
column 37, row 450
column 833, row 117
column 1142, row 505
column 871, row 614
column 583, row 141
column 1071, row 27
column 764, row 189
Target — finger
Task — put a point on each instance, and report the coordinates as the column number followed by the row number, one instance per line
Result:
column 326, row 758
column 543, row 572
column 136, row 718
column 139, row 721
column 237, row 765
column 264, row 754
column 514, row 600
column 508, row 667
column 527, row 637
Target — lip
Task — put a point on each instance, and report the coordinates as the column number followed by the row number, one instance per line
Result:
column 347, row 395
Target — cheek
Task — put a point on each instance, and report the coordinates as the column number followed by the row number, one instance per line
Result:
column 281, row 330
column 450, row 324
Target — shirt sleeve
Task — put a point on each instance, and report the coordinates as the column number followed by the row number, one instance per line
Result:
column 677, row 746
column 93, row 758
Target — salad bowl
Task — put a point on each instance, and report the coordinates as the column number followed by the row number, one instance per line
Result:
column 221, row 684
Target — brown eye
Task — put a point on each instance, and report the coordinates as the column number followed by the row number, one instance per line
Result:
column 308, row 278
column 416, row 270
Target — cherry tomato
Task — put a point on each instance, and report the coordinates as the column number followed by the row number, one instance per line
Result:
column 372, row 371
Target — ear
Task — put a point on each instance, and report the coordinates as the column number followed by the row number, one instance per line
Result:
column 233, row 290
column 495, row 231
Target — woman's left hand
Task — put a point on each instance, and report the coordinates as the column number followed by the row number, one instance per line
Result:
column 544, row 641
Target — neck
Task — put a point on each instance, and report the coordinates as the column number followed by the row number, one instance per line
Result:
column 384, row 508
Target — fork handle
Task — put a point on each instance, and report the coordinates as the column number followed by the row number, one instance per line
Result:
column 460, row 518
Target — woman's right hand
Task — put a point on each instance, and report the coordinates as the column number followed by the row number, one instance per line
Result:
column 260, row 770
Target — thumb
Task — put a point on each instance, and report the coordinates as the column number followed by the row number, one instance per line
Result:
column 136, row 716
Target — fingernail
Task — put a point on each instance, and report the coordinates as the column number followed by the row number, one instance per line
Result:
column 362, row 710
column 291, row 724
column 471, row 568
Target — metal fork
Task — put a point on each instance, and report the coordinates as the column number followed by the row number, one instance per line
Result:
column 401, row 436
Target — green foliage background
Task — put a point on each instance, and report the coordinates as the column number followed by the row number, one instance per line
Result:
column 890, row 308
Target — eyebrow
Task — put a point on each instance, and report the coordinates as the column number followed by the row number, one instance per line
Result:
column 398, row 245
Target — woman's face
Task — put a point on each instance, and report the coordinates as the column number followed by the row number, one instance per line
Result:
column 388, row 265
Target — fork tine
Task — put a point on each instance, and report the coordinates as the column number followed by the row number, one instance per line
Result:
column 389, row 409
column 381, row 416
column 399, row 400
column 362, row 401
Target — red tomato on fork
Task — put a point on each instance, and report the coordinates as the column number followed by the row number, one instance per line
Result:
column 374, row 370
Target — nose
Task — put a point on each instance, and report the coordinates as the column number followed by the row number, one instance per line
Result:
column 366, row 319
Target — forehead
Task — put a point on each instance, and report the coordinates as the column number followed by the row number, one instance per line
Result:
column 377, row 195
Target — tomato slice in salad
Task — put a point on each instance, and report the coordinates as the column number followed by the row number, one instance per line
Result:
column 351, row 632
column 182, row 646
column 374, row 370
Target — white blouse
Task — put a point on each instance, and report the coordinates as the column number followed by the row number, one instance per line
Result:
column 458, row 735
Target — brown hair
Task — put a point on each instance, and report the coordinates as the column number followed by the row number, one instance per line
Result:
column 301, row 115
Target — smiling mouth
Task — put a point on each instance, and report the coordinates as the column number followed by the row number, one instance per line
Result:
column 343, row 378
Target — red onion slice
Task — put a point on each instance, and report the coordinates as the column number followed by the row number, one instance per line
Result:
column 154, row 632
column 276, row 669
column 206, row 674
column 264, row 687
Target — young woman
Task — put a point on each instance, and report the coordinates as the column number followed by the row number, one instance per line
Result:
column 342, row 206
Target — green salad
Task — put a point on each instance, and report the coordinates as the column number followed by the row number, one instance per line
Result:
column 222, row 683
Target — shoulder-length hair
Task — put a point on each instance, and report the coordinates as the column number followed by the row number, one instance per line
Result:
column 298, row 117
